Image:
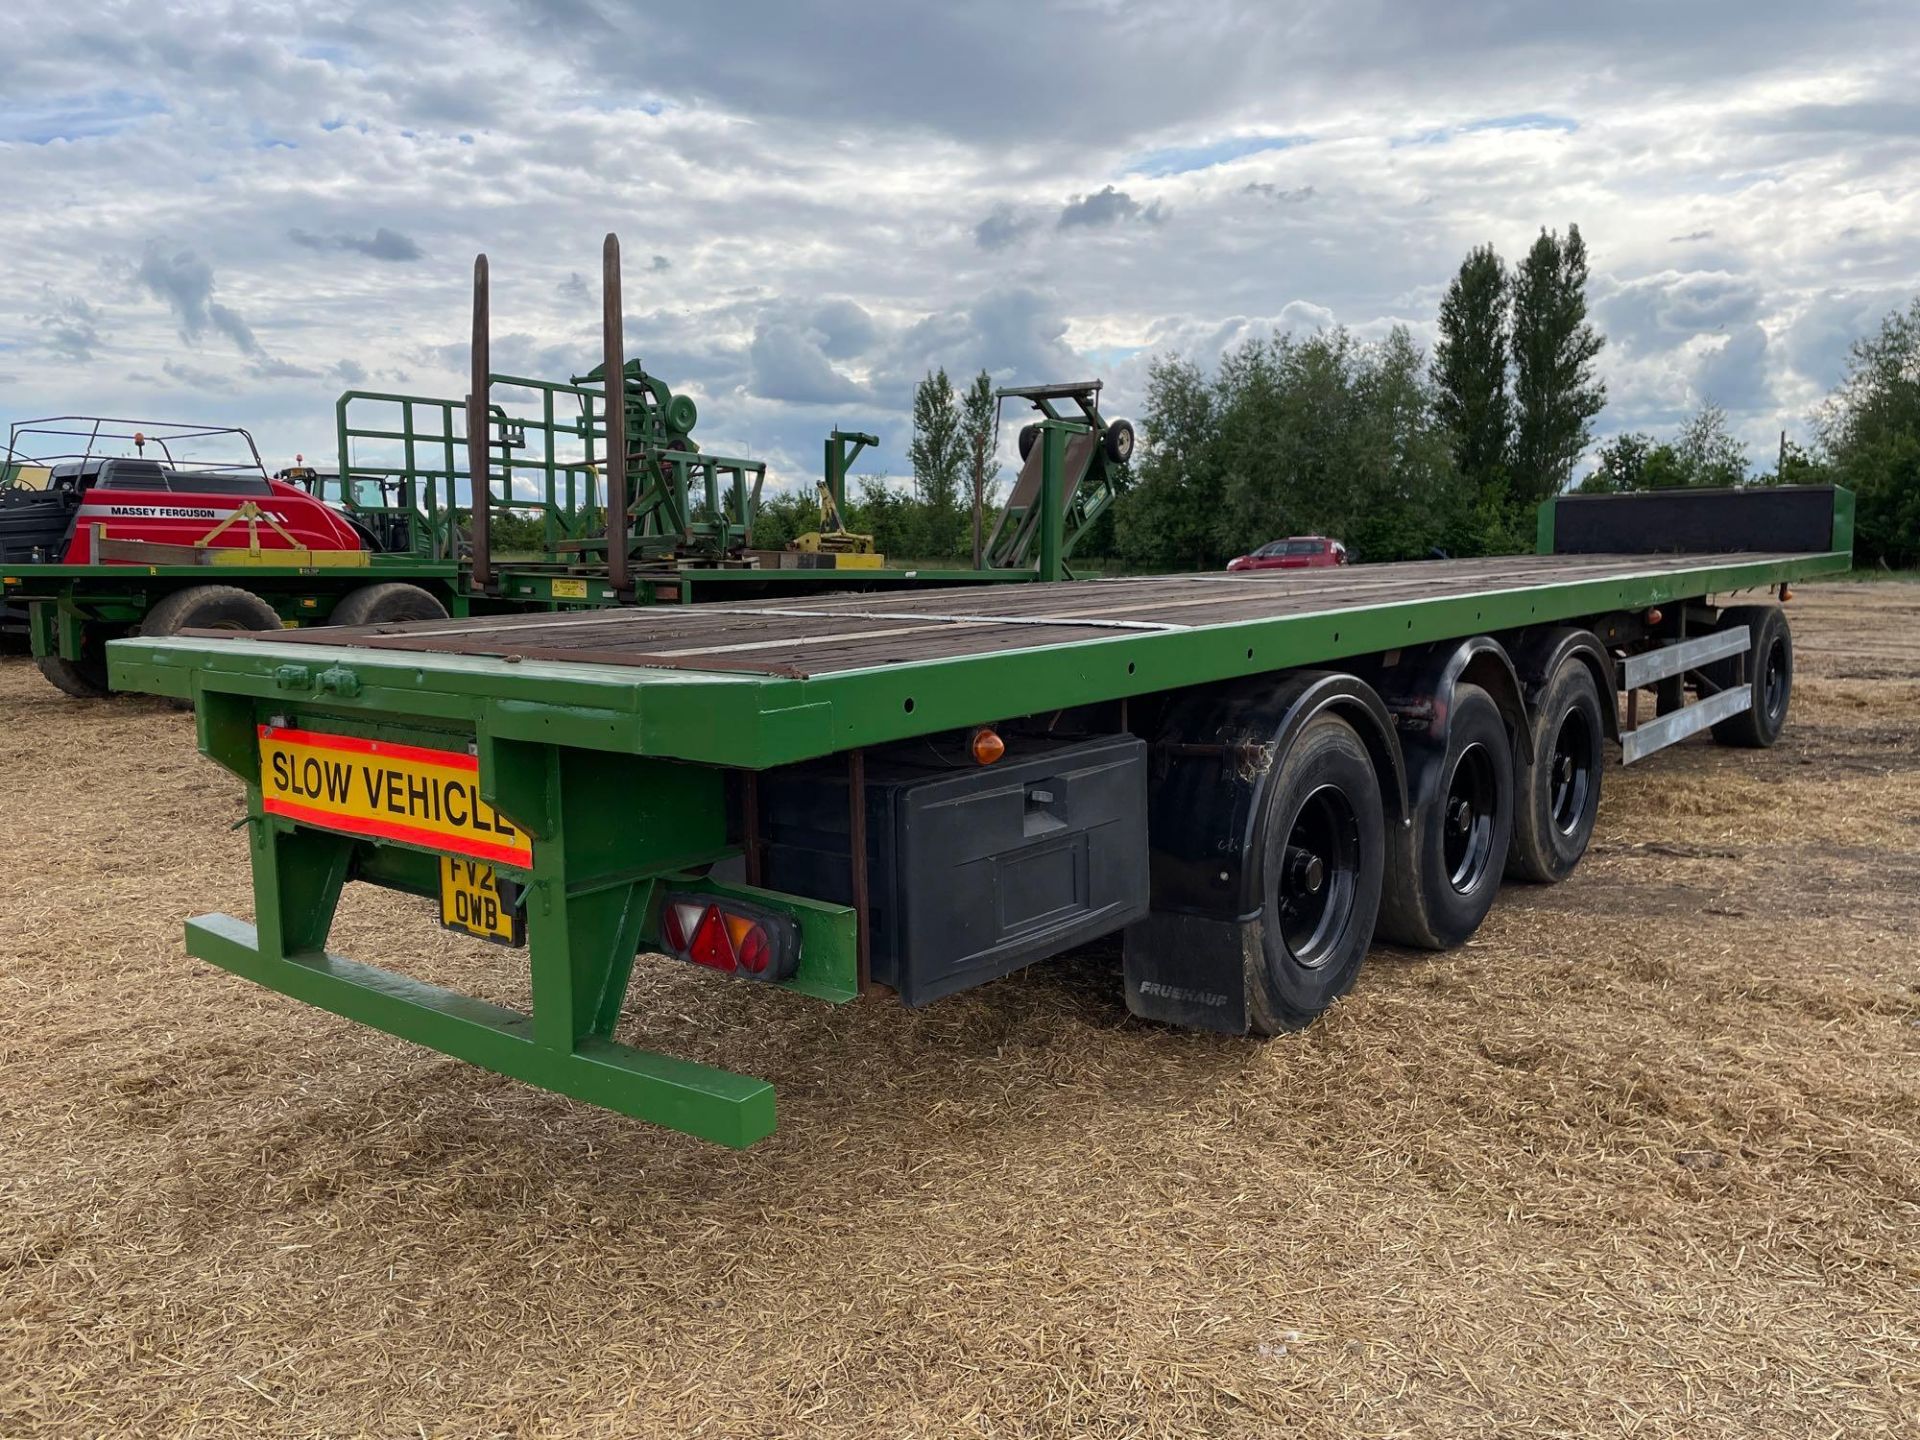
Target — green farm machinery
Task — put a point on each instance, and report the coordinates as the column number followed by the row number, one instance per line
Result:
column 524, row 494
column 1070, row 466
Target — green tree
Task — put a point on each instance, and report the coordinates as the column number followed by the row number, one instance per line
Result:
column 1165, row 521
column 940, row 457
column 1470, row 370
column 1291, row 436
column 978, row 443
column 1796, row 465
column 1556, row 394
column 1708, row 452
column 895, row 519
column 784, row 516
column 1869, row 437
column 1704, row 453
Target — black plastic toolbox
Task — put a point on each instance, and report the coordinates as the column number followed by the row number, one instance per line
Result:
column 972, row 872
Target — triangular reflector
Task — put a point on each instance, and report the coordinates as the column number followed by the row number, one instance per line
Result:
column 711, row 946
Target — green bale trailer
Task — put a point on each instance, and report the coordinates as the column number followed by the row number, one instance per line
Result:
column 1247, row 777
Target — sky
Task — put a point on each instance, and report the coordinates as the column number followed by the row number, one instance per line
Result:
column 231, row 212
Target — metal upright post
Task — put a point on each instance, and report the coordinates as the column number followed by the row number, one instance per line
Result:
column 614, row 370
column 479, row 409
column 1053, row 463
column 979, row 496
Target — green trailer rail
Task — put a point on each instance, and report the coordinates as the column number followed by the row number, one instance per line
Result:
column 1250, row 777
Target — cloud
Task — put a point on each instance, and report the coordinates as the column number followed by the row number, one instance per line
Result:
column 1273, row 192
column 842, row 328
column 185, row 282
column 1663, row 310
column 1735, row 374
column 1899, row 118
column 266, row 367
column 1732, row 165
column 789, row 364
column 1018, row 334
column 195, row 377
column 383, row 244
column 659, row 263
column 350, row 373
column 69, row 327
column 1001, row 228
column 1820, row 338
column 1108, row 206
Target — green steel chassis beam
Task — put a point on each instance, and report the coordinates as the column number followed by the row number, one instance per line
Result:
column 63, row 601
column 755, row 721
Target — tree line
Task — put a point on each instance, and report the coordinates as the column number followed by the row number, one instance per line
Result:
column 1398, row 453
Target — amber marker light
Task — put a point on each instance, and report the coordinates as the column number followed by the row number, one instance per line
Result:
column 987, row 746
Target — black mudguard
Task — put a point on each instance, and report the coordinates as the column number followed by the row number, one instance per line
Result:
column 1208, row 793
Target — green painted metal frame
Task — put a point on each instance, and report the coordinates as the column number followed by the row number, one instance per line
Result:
column 754, row 721
column 64, row 602
column 611, row 836
column 614, row 771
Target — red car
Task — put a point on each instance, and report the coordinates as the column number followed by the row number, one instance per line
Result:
column 1299, row 552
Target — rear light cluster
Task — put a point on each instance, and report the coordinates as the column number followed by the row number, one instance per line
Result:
column 726, row 935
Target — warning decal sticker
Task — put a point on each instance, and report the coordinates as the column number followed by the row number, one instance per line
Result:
column 386, row 791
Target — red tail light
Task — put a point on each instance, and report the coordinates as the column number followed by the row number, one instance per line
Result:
column 727, row 935
column 711, row 947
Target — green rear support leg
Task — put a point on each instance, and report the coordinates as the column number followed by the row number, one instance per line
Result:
column 607, row 829
column 713, row 1104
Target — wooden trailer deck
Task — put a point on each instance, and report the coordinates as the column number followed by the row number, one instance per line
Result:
column 844, row 633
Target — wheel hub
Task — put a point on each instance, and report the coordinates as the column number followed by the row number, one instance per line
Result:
column 1459, row 815
column 1570, row 774
column 1467, row 821
column 1315, row 880
column 1306, row 869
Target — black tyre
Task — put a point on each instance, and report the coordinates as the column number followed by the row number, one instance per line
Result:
column 210, row 607
column 1557, row 797
column 1769, row 671
column 1118, row 441
column 1322, row 857
column 1444, row 870
column 386, row 604
column 1028, row 435
column 83, row 679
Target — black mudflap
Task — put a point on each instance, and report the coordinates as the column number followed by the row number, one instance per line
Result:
column 1190, row 970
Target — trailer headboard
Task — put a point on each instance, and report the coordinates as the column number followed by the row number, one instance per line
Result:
column 1774, row 519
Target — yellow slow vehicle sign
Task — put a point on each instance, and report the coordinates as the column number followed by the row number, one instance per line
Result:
column 386, row 791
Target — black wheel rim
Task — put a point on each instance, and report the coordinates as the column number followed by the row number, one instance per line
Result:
column 1467, row 820
column 1570, row 771
column 1319, row 868
column 1774, row 681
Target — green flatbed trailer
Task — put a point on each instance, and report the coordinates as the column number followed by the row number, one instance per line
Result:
column 64, row 600
column 1249, row 777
